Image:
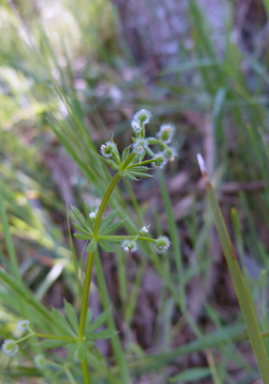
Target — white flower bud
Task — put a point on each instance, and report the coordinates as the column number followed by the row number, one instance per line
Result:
column 162, row 244
column 92, row 215
column 169, row 153
column 136, row 126
column 159, row 161
column 9, row 347
column 139, row 146
column 129, row 245
column 22, row 325
column 143, row 116
column 166, row 133
column 107, row 149
column 144, row 230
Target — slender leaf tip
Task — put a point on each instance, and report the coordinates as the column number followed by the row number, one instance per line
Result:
column 202, row 166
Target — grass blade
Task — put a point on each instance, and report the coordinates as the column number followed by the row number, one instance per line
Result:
column 238, row 281
column 8, row 238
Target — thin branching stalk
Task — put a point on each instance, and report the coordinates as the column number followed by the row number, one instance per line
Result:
column 88, row 277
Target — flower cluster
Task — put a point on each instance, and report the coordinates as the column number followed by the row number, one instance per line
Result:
column 9, row 346
column 141, row 144
column 161, row 244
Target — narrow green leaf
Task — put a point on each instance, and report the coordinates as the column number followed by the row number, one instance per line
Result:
column 81, row 229
column 139, row 174
column 216, row 338
column 135, row 160
column 139, row 168
column 25, row 294
column 81, row 219
column 92, row 246
column 238, row 281
column 109, row 161
column 8, row 238
column 81, row 237
column 125, row 154
column 107, row 220
column 59, row 317
column 88, row 318
column 106, row 334
column 191, row 375
column 115, row 166
column 72, row 348
column 112, row 227
column 99, row 321
column 105, row 246
column 71, row 315
column 130, row 176
column 81, row 351
column 52, row 343
column 20, row 372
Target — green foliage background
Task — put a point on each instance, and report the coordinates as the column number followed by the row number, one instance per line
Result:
column 67, row 83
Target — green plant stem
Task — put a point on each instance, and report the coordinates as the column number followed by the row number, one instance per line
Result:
column 127, row 161
column 85, row 370
column 88, row 272
column 103, row 204
column 25, row 338
column 128, row 237
column 85, row 297
column 115, row 341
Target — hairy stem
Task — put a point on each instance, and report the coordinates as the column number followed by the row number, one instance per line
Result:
column 85, row 297
column 119, row 238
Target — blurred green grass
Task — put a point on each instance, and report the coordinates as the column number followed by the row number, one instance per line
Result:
column 67, row 93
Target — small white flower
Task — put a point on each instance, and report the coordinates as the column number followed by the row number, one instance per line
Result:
column 9, row 347
column 92, row 215
column 136, row 126
column 107, row 149
column 22, row 325
column 129, row 245
column 162, row 244
column 139, row 146
column 166, row 133
column 159, row 161
column 39, row 361
column 144, row 230
column 143, row 116
column 170, row 153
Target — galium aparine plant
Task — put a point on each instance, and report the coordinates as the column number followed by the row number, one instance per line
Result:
column 79, row 336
